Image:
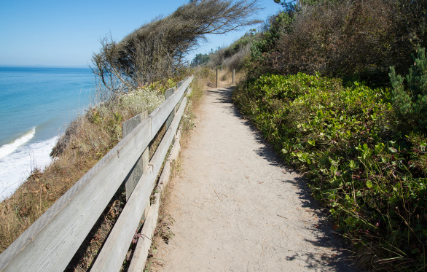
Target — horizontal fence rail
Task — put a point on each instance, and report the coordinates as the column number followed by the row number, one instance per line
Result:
column 51, row 242
column 140, row 255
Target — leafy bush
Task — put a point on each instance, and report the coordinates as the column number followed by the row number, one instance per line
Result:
column 372, row 179
column 200, row 59
column 342, row 38
column 411, row 106
column 275, row 27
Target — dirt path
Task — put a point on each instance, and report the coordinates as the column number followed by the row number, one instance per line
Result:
column 236, row 207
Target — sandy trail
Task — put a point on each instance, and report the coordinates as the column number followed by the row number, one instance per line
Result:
column 237, row 208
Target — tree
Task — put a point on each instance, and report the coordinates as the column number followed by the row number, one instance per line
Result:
column 156, row 50
column 200, row 59
column 411, row 106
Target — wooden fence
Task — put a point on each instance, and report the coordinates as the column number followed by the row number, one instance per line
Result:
column 51, row 242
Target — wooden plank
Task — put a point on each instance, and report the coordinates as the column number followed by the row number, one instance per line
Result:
column 162, row 112
column 133, row 177
column 144, row 242
column 164, row 179
column 117, row 244
column 145, row 162
column 159, row 157
column 176, row 148
column 137, row 170
column 50, row 243
column 185, row 92
column 234, row 76
column 133, row 122
column 180, row 83
column 168, row 93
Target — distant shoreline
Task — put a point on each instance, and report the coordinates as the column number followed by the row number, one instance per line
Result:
column 47, row 67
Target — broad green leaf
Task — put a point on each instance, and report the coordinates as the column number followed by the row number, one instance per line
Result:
column 392, row 149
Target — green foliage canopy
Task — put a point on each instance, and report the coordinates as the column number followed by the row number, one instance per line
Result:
column 345, row 140
column 411, row 105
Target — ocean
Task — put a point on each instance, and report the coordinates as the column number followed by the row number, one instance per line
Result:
column 36, row 105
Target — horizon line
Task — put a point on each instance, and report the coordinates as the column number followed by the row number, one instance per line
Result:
column 43, row 66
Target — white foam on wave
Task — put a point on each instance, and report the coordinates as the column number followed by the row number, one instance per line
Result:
column 9, row 148
column 17, row 166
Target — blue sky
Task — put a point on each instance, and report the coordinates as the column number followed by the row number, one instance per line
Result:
column 67, row 33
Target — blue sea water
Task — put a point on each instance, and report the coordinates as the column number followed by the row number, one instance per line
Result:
column 36, row 105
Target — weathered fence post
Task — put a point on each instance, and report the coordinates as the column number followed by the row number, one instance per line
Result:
column 216, row 85
column 142, row 163
column 234, row 74
column 168, row 93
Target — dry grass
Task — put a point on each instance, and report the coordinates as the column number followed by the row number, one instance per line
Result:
column 202, row 79
column 226, row 77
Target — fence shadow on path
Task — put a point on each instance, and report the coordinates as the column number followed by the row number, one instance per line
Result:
column 326, row 236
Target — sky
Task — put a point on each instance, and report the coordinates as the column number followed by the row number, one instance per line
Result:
column 47, row 33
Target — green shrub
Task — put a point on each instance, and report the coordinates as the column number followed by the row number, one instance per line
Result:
column 278, row 25
column 411, row 105
column 343, row 139
column 348, row 39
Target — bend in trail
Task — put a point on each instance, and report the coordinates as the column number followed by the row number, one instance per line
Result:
column 237, row 208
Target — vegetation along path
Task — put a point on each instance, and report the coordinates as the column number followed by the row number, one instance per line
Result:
column 237, row 208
